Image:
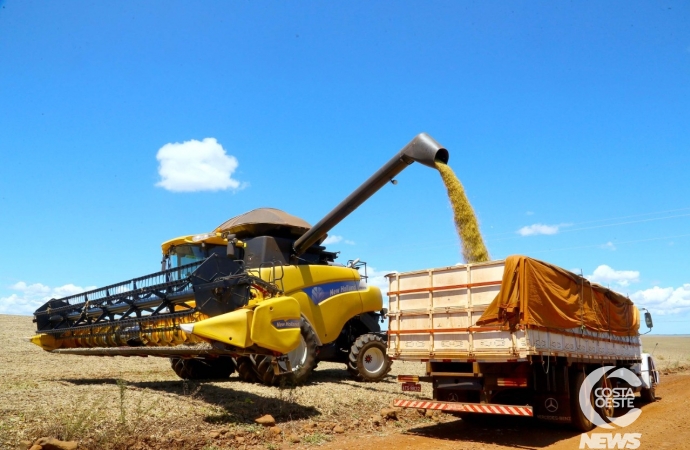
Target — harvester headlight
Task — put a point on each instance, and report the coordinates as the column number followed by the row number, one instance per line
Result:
column 203, row 237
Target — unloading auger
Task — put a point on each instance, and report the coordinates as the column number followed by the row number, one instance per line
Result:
column 258, row 294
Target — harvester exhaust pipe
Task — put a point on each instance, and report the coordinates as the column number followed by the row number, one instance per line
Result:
column 423, row 149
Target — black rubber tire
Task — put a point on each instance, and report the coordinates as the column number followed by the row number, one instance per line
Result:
column 203, row 369
column 246, row 370
column 578, row 419
column 264, row 368
column 606, row 412
column 648, row 395
column 265, row 371
column 356, row 365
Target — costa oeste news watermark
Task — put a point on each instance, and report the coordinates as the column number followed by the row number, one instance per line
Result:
column 608, row 397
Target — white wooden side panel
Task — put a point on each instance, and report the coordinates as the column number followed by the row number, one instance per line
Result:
column 411, row 302
column 450, row 276
column 452, row 298
column 432, row 321
column 423, row 304
column 576, row 343
column 493, row 342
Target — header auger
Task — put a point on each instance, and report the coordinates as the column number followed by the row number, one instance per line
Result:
column 258, row 294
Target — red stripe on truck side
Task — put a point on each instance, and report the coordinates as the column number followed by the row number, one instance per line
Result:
column 467, row 407
column 446, row 288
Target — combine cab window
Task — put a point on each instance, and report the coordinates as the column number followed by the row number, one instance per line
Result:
column 187, row 254
column 181, row 255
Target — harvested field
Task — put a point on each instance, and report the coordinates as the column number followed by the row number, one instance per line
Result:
column 120, row 402
column 672, row 353
column 140, row 403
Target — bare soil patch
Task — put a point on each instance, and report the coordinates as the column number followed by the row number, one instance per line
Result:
column 139, row 403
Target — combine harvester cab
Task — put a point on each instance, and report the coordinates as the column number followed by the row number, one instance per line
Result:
column 259, row 294
column 518, row 337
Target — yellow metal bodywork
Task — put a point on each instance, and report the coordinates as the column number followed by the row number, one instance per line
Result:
column 46, row 341
column 273, row 323
column 276, row 324
column 208, row 238
column 328, row 316
column 232, row 328
column 325, row 296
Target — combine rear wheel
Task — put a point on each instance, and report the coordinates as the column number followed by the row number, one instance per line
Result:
column 368, row 360
column 302, row 361
column 203, row 369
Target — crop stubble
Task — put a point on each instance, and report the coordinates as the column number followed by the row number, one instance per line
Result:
column 77, row 397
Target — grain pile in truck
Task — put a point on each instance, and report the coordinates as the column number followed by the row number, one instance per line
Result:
column 514, row 337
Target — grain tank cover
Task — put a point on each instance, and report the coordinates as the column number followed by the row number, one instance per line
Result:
column 264, row 222
column 538, row 294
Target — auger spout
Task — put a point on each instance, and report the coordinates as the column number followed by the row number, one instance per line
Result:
column 422, row 149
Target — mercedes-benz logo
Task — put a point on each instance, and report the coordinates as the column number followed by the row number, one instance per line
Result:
column 452, row 397
column 551, row 404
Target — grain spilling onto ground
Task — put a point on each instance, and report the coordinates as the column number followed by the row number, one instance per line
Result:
column 473, row 248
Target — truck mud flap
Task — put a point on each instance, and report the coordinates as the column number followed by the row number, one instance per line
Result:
column 504, row 410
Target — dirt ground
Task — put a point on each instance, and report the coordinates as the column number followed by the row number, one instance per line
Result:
column 138, row 403
column 663, row 425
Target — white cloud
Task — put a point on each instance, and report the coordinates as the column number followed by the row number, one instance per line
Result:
column 335, row 239
column 605, row 275
column 332, row 239
column 539, row 228
column 609, row 246
column 31, row 296
column 664, row 300
column 194, row 166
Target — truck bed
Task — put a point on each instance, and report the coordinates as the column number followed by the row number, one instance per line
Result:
column 433, row 315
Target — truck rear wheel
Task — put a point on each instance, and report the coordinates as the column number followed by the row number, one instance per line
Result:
column 368, row 360
column 302, row 361
column 203, row 369
column 578, row 418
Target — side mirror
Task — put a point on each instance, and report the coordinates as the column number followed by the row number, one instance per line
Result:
column 648, row 320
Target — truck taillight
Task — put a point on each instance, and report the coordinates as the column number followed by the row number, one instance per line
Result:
column 408, row 378
column 511, row 382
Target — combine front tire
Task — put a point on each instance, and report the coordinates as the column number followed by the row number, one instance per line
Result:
column 302, row 361
column 246, row 369
column 203, row 369
column 368, row 360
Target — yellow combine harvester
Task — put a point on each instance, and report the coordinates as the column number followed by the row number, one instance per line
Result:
column 258, row 294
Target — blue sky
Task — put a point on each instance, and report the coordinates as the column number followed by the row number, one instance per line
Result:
column 568, row 124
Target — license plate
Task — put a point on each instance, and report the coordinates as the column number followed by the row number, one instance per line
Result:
column 411, row 387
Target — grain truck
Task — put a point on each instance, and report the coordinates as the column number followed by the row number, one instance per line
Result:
column 519, row 337
column 258, row 294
